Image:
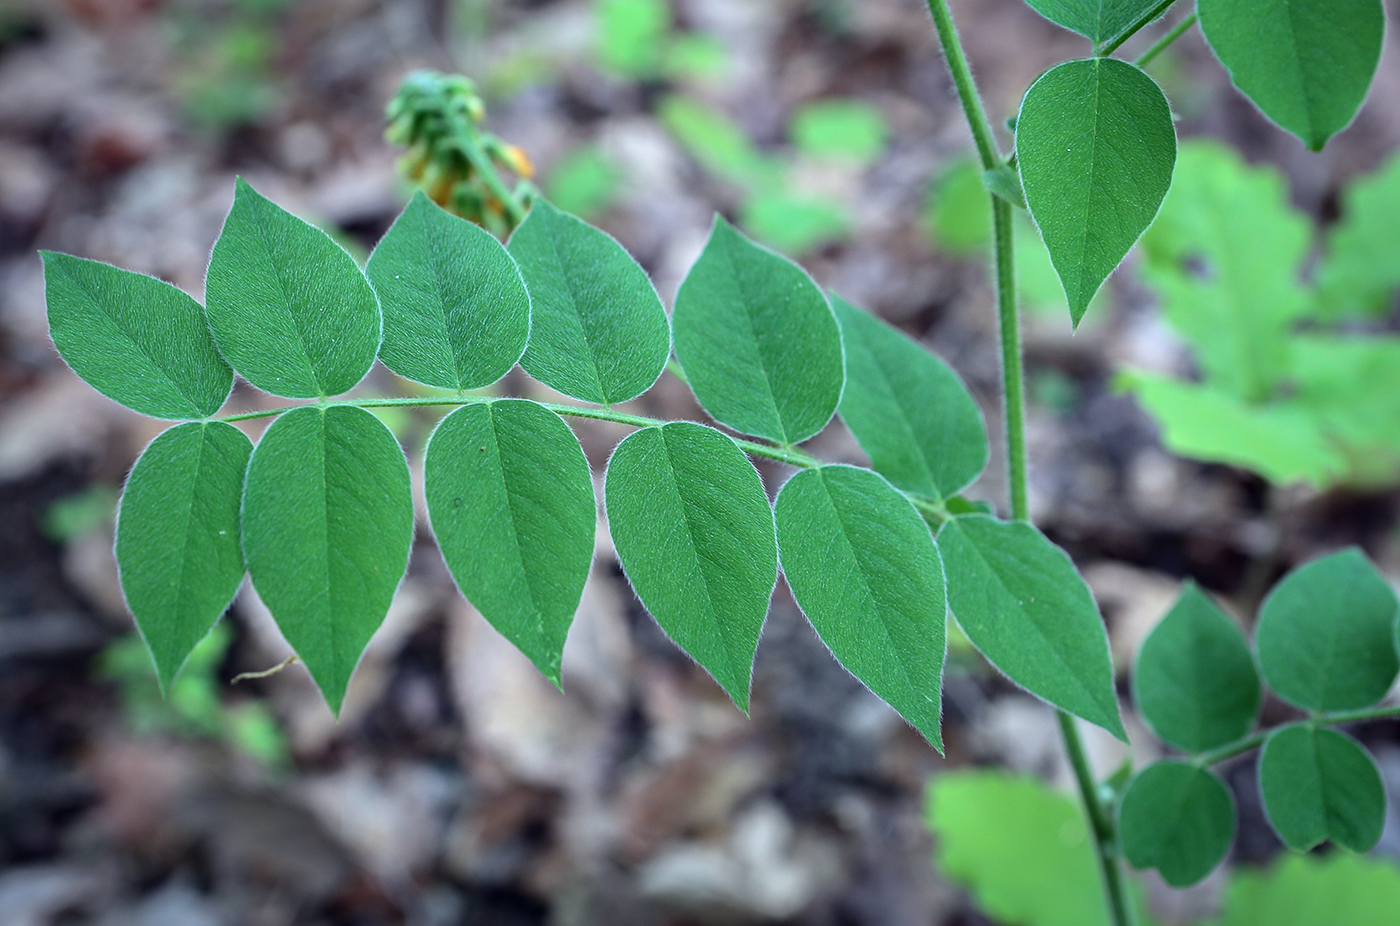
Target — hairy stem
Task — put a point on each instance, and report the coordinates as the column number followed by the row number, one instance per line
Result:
column 753, row 448
column 1013, row 398
column 1165, row 41
column 1147, row 18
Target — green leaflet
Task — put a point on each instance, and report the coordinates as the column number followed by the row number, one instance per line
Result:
column 1224, row 255
column 456, row 313
column 862, row 564
column 1194, row 681
column 1318, row 785
column 178, row 540
column 1178, row 819
column 1326, row 634
column 327, row 523
column 1100, row 21
column 1280, row 441
column 1314, row 890
column 1361, row 270
column 1022, row 849
column 1350, row 385
column 758, row 340
column 135, row 339
column 510, row 496
column 598, row 330
column 1307, row 64
column 1096, row 146
column 288, row 307
column 843, row 130
column 908, row 409
column 694, row 532
column 1026, row 608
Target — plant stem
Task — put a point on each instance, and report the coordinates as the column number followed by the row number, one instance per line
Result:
column 753, row 448
column 1013, row 397
column 1165, row 41
column 1322, row 719
column 1150, row 16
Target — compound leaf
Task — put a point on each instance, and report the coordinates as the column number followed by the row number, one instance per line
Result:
column 1096, row 146
column 1307, row 64
column 862, row 564
column 289, row 308
column 177, row 545
column 1224, row 255
column 758, row 340
column 135, row 339
column 694, row 532
column 1179, row 819
column 1025, row 607
column 598, row 329
column 1195, row 681
column 510, row 497
column 908, row 409
column 327, row 523
column 1100, row 21
column 456, row 313
column 1319, row 784
column 1326, row 634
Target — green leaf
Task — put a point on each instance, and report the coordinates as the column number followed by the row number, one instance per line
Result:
column 1350, row 385
column 694, row 532
column 456, row 313
column 1282, row 442
column 861, row 563
column 1307, row 64
column 511, row 501
column 793, row 222
column 1096, row 145
column 1361, row 270
column 717, row 142
column 1325, row 634
column 957, row 215
column 1179, row 819
column 1026, row 608
column 1224, row 256
column 135, row 339
column 598, row 330
column 585, row 183
column 631, row 35
column 1318, row 785
column 1100, row 21
column 289, row 309
column 758, row 340
column 178, row 546
column 1313, row 890
column 1022, row 849
column 1195, row 681
column 327, row 523
column 848, row 130
column 908, row 409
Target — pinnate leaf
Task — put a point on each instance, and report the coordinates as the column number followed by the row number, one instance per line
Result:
column 1326, row 634
column 1096, row 146
column 695, row 535
column 1319, row 784
column 758, row 340
column 327, row 523
column 908, row 409
column 1022, row 603
column 863, row 566
column 1179, row 819
column 1307, row 64
column 456, row 313
column 1195, row 681
column 135, row 339
column 510, row 497
column 177, row 544
column 290, row 310
column 1097, row 20
column 598, row 329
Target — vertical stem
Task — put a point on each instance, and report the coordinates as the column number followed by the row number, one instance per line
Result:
column 1013, row 396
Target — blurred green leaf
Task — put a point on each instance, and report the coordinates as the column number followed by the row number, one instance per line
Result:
column 848, row 130
column 585, row 183
column 1314, row 890
column 1361, row 270
column 631, row 35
